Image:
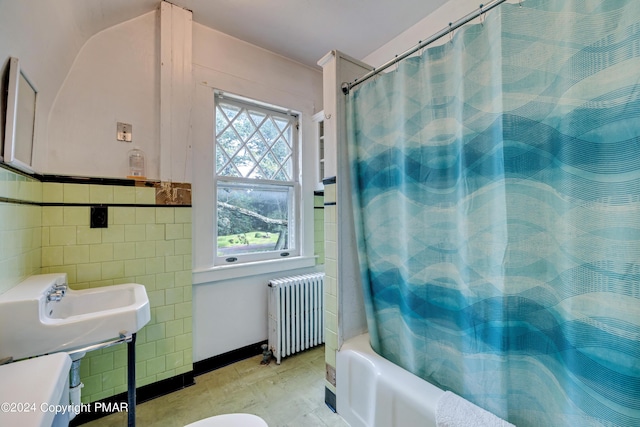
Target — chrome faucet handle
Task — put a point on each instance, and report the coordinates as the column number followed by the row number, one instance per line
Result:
column 55, row 295
column 60, row 288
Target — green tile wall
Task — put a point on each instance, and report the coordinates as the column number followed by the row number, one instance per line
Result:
column 150, row 245
column 331, row 280
column 318, row 228
column 19, row 228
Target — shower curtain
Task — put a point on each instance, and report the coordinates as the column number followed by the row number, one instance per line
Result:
column 496, row 189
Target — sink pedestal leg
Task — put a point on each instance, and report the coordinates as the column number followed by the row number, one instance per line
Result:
column 131, row 379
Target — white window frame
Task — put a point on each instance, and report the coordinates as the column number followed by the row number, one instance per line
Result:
column 294, row 185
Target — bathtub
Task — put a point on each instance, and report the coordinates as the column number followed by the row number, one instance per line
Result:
column 373, row 392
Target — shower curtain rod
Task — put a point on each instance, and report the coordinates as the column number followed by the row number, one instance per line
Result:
column 346, row 87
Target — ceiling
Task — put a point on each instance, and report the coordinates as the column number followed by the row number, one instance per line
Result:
column 302, row 30
column 305, row 30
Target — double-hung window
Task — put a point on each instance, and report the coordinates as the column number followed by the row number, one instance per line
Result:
column 255, row 182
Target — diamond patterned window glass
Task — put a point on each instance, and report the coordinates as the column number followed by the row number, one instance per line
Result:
column 252, row 143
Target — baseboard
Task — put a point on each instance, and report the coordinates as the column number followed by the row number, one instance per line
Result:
column 330, row 399
column 143, row 394
column 221, row 360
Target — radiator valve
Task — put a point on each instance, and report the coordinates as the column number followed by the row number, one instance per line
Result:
column 266, row 354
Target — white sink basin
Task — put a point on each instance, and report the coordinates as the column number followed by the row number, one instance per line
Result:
column 89, row 302
column 80, row 317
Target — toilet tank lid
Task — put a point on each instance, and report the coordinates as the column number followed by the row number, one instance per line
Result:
column 41, row 381
column 231, row 420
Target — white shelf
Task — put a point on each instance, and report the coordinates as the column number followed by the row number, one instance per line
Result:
column 320, row 147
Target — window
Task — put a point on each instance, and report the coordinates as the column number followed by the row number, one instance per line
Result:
column 256, row 183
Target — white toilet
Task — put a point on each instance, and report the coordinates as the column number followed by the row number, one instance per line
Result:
column 231, row 420
column 33, row 387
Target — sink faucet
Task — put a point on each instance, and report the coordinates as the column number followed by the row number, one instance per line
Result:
column 60, row 288
column 55, row 296
column 57, row 292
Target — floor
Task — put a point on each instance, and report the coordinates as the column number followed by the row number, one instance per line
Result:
column 287, row 395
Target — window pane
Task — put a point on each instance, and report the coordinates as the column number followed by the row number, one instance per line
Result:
column 221, row 121
column 257, row 147
column 253, row 144
column 244, row 162
column 270, row 165
column 282, row 123
column 230, row 110
column 244, row 126
column 257, row 117
column 269, row 130
column 252, row 218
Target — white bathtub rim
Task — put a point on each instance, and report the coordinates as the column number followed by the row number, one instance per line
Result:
column 391, row 383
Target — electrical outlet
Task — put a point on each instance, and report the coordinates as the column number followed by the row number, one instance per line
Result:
column 99, row 217
column 124, row 132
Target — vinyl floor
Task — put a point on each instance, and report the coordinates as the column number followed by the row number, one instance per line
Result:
column 287, row 395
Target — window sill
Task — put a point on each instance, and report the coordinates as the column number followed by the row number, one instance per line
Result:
column 247, row 269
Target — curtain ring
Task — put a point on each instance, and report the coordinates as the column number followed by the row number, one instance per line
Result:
column 481, row 15
column 397, row 65
column 451, row 32
column 520, row 3
column 346, row 88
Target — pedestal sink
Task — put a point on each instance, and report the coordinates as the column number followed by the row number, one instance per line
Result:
column 41, row 315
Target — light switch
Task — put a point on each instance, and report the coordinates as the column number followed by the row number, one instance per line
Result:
column 124, row 132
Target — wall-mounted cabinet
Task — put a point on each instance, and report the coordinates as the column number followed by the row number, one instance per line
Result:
column 318, row 120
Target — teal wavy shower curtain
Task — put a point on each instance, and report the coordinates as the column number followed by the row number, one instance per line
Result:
column 496, row 183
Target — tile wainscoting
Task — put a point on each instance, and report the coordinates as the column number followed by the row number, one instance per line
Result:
column 331, row 289
column 45, row 228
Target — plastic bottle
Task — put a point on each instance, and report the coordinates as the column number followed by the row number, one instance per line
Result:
column 136, row 163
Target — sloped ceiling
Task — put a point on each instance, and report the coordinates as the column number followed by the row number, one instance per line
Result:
column 302, row 30
column 305, row 30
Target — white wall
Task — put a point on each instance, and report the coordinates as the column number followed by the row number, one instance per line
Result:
column 115, row 78
column 429, row 25
column 230, row 303
column 46, row 36
column 176, row 90
column 45, row 40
